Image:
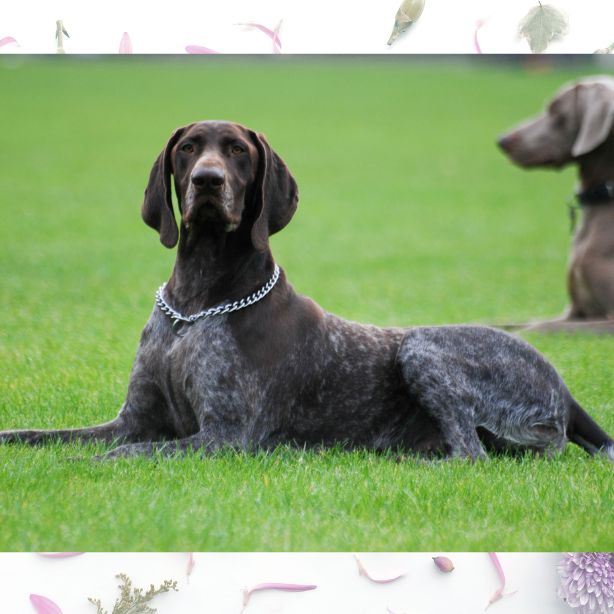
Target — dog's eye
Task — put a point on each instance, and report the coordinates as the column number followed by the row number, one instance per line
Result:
column 187, row 148
column 559, row 121
column 237, row 149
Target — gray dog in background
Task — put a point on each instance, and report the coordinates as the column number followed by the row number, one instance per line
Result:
column 578, row 128
column 233, row 357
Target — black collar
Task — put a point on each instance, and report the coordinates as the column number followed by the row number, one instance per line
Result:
column 602, row 194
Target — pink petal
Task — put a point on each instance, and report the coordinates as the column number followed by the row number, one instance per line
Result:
column 43, row 605
column 272, row 34
column 498, row 594
column 276, row 586
column 363, row 572
column 191, row 563
column 276, row 40
column 497, row 563
column 125, row 45
column 197, row 49
column 476, row 41
column 7, row 40
column 58, row 555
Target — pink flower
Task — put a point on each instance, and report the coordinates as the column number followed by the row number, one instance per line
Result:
column 587, row 581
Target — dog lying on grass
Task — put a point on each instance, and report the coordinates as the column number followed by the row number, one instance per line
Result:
column 233, row 357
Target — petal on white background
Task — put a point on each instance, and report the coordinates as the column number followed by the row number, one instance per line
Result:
column 319, row 26
column 221, row 577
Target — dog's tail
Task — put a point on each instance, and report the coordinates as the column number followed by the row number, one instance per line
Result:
column 586, row 433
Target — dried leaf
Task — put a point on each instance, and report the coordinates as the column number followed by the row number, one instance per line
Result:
column 134, row 600
column 197, row 49
column 363, row 572
column 276, row 586
column 43, row 605
column 605, row 50
column 125, row 45
column 408, row 13
column 543, row 25
column 60, row 33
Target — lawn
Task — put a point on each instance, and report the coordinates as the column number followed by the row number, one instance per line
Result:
column 408, row 215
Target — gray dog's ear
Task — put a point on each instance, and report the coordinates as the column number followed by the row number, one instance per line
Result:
column 275, row 196
column 595, row 108
column 157, row 209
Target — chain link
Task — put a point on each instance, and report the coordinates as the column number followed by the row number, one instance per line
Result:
column 220, row 309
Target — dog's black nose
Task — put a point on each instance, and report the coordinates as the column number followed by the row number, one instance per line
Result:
column 506, row 140
column 207, row 177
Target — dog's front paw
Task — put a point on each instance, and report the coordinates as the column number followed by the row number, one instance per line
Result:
column 126, row 451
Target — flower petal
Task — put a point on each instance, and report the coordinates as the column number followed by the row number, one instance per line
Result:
column 497, row 563
column 197, row 49
column 498, row 594
column 276, row 586
column 43, row 605
column 476, row 40
column 363, row 572
column 125, row 45
column 8, row 40
column 191, row 563
column 272, row 34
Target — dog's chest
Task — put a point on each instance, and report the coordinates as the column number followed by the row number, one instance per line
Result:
column 199, row 368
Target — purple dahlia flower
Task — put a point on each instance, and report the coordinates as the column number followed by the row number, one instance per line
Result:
column 587, row 581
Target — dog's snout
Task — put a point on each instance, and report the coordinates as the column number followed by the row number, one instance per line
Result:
column 208, row 177
column 505, row 141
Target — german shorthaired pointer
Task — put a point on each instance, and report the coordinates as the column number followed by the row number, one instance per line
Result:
column 578, row 128
column 258, row 365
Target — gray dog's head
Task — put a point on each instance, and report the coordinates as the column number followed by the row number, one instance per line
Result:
column 577, row 121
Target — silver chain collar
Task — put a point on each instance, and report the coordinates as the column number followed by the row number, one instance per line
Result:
column 178, row 318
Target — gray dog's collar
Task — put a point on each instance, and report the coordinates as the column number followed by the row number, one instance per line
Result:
column 601, row 194
column 179, row 318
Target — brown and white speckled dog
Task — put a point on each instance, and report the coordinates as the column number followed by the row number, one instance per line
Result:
column 578, row 128
column 282, row 370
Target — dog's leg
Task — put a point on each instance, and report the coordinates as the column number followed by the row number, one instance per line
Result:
column 442, row 394
column 458, row 431
column 199, row 442
column 115, row 430
column 126, row 427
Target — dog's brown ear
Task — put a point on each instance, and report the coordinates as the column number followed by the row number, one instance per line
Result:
column 275, row 194
column 595, row 108
column 157, row 209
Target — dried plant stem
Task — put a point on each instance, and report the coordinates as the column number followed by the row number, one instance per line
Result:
column 606, row 50
column 134, row 600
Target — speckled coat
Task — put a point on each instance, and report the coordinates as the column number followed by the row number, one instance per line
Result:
column 284, row 370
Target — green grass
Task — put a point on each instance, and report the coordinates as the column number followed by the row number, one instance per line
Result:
column 408, row 215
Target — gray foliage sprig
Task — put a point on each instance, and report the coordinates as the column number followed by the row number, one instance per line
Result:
column 134, row 600
column 605, row 50
column 543, row 25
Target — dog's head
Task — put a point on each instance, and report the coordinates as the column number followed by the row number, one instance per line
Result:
column 577, row 121
column 226, row 178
